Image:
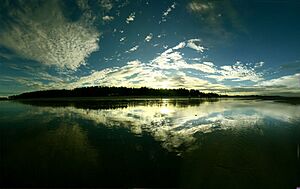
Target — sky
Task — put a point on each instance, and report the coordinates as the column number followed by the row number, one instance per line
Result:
column 234, row 47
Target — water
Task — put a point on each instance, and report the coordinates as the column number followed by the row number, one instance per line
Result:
column 228, row 143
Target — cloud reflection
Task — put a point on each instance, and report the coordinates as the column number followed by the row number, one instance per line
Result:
column 175, row 123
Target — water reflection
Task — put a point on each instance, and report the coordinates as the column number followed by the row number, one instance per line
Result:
column 36, row 154
column 226, row 143
column 174, row 123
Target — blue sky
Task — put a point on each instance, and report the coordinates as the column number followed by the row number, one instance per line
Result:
column 232, row 47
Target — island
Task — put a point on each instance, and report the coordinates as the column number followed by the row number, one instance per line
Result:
column 100, row 91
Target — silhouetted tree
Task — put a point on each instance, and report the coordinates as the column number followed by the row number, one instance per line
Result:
column 98, row 91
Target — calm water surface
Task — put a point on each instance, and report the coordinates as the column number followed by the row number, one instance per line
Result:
column 228, row 143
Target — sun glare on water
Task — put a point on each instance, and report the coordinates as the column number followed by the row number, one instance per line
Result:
column 165, row 110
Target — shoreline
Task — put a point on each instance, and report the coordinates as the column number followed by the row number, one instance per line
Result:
column 147, row 98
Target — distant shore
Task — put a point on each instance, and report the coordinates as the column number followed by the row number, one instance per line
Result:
column 149, row 98
column 98, row 93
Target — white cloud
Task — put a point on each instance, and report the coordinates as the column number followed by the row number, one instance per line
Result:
column 167, row 12
column 208, row 63
column 107, row 18
column 289, row 81
column 130, row 18
column 138, row 74
column 199, row 6
column 122, row 39
column 171, row 70
column 237, row 72
column 171, row 59
column 133, row 49
column 259, row 64
column 44, row 35
column 203, row 67
column 173, row 5
column 149, row 37
column 168, row 70
column 179, row 46
column 195, row 44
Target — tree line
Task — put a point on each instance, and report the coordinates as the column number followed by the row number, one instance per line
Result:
column 99, row 91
